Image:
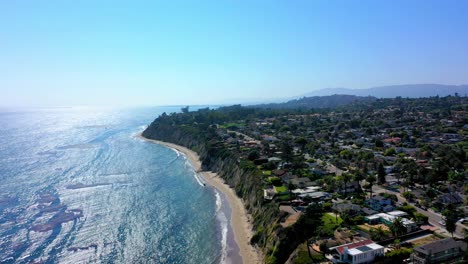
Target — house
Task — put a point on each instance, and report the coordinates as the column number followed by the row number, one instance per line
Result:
column 358, row 252
column 394, row 140
column 274, row 160
column 380, row 203
column 311, row 192
column 388, row 219
column 368, row 211
column 398, row 213
column 348, row 208
column 351, row 187
column 269, row 193
column 301, row 182
column 278, row 173
column 439, row 251
column 450, row 198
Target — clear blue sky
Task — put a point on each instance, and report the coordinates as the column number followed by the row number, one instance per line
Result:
column 195, row 52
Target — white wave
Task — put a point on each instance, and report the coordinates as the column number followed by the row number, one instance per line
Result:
column 219, row 202
column 137, row 132
column 179, row 154
column 224, row 230
column 198, row 178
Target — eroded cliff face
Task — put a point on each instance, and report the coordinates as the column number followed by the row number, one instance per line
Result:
column 244, row 178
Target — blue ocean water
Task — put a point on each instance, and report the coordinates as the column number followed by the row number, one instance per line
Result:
column 77, row 186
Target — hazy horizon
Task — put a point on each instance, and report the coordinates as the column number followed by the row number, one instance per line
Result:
column 220, row 52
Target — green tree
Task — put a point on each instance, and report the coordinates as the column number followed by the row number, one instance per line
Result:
column 390, row 152
column 379, row 143
column 185, row 110
column 381, row 173
column 287, row 151
column 302, row 142
column 253, row 155
column 345, row 178
column 397, row 227
column 451, row 216
column 455, row 176
column 378, row 234
column 420, row 218
column 371, row 180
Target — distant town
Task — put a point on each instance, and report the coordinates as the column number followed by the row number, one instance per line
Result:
column 367, row 181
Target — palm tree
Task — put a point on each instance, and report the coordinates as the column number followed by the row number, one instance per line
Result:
column 359, row 177
column 371, row 179
column 397, row 227
column 378, row 233
column 345, row 178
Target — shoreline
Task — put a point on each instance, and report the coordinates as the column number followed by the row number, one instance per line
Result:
column 240, row 219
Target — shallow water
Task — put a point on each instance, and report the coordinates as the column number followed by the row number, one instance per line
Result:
column 77, row 186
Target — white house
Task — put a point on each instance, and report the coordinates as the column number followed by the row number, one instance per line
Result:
column 358, row 252
column 389, row 218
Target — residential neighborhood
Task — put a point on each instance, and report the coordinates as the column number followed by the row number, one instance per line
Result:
column 385, row 177
column 372, row 177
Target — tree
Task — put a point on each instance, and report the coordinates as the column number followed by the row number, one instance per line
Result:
column 345, row 178
column 451, row 216
column 455, row 176
column 408, row 195
column 302, row 142
column 253, row 155
column 358, row 177
column 420, row 218
column 397, row 227
column 381, row 173
column 379, row 143
column 291, row 187
column 185, row 110
column 287, row 151
column 371, row 180
column 378, row 233
column 390, row 152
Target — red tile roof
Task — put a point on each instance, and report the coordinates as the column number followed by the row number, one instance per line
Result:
column 341, row 249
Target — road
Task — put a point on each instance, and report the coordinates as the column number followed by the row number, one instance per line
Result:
column 434, row 218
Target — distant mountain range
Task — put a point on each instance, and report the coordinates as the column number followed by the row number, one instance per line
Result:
column 406, row 90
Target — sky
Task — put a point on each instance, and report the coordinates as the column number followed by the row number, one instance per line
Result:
column 61, row 53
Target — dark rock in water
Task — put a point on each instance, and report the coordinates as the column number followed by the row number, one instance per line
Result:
column 75, row 249
column 52, row 208
column 58, row 220
column 82, row 185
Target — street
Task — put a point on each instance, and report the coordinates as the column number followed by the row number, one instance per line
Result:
column 434, row 218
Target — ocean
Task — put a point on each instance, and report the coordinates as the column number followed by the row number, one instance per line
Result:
column 77, row 186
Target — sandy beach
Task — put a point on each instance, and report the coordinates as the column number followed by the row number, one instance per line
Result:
column 239, row 218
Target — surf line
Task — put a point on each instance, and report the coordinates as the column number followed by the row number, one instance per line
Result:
column 199, row 178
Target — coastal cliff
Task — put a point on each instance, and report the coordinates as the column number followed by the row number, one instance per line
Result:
column 202, row 131
column 242, row 177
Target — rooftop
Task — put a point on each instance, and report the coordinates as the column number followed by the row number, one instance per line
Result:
column 441, row 245
column 358, row 247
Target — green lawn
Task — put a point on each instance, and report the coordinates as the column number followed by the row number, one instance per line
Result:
column 330, row 223
column 303, row 256
column 281, row 188
column 267, row 172
column 284, row 197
